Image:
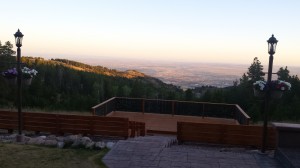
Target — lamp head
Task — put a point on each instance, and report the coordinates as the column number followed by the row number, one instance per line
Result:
column 18, row 37
column 272, row 43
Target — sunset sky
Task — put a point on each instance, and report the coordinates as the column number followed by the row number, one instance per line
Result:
column 218, row 31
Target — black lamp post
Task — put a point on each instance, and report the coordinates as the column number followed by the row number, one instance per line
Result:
column 19, row 37
column 272, row 42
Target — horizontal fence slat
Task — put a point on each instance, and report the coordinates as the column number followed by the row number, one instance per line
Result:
column 3, row 121
column 61, row 123
column 8, row 126
column 40, row 124
column 40, row 120
column 74, row 126
column 42, row 129
column 111, row 133
column 224, row 134
column 75, row 131
column 38, row 115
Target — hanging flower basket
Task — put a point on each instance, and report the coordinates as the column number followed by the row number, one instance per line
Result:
column 28, row 74
column 27, row 81
column 276, row 88
column 10, row 76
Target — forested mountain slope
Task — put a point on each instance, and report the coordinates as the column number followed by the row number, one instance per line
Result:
column 69, row 85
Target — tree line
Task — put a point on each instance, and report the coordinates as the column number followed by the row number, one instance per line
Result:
column 286, row 108
column 69, row 85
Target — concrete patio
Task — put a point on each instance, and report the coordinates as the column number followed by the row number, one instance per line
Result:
column 162, row 151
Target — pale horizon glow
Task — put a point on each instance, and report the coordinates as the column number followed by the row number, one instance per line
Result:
column 213, row 31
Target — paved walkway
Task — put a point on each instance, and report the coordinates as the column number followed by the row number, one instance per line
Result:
column 160, row 151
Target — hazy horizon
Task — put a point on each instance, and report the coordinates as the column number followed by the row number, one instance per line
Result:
column 183, row 74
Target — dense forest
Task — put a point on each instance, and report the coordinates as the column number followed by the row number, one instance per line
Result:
column 69, row 85
column 287, row 108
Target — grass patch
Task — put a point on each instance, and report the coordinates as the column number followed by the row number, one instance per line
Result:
column 15, row 155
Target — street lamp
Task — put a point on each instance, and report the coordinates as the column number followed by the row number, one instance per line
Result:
column 272, row 43
column 19, row 37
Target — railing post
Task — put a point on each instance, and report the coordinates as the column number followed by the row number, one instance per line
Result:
column 94, row 111
column 91, row 124
column 179, row 138
column 202, row 110
column 173, row 108
column 143, row 106
column 143, row 129
column 132, row 125
column 105, row 109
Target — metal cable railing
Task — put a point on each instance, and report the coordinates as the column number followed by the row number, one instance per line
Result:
column 172, row 107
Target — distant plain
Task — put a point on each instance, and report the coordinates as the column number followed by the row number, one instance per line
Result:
column 187, row 75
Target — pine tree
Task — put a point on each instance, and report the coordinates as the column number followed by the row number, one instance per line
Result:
column 283, row 74
column 6, row 49
column 255, row 71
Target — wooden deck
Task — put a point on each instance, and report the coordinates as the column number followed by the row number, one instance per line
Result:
column 166, row 122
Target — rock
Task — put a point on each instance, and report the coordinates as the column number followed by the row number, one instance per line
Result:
column 50, row 142
column 109, row 145
column 51, row 137
column 36, row 141
column 32, row 141
column 26, row 139
column 7, row 141
column 60, row 139
column 60, row 145
column 42, row 137
column 72, row 138
column 100, row 145
column 85, row 140
column 39, row 141
column 12, row 136
column 90, row 145
column 76, row 143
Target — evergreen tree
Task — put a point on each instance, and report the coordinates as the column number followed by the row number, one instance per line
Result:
column 244, row 80
column 283, row 74
column 255, row 71
column 6, row 49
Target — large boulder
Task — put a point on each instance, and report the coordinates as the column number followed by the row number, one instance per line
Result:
column 100, row 145
column 50, row 142
column 90, row 145
column 85, row 140
column 109, row 145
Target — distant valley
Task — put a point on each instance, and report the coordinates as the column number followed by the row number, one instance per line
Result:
column 187, row 75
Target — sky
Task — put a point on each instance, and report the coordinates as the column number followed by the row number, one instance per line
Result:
column 215, row 31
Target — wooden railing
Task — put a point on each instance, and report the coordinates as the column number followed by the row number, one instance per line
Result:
column 244, row 135
column 105, row 107
column 203, row 109
column 60, row 124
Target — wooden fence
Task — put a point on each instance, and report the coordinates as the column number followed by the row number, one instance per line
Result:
column 173, row 107
column 60, row 124
column 137, row 129
column 243, row 135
